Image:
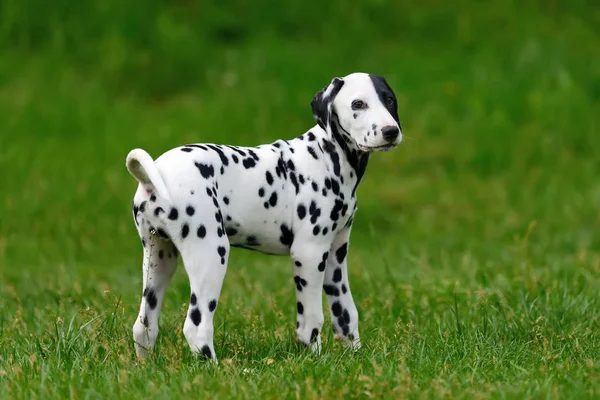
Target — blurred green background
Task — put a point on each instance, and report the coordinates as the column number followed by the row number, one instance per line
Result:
column 495, row 187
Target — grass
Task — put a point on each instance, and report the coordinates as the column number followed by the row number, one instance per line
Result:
column 475, row 256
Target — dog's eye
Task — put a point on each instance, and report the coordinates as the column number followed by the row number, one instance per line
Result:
column 390, row 101
column 358, row 105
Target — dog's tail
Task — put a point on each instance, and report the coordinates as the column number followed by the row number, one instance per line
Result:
column 141, row 166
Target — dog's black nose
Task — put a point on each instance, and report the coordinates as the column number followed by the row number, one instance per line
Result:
column 390, row 133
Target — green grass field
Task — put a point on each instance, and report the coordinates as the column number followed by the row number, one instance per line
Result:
column 475, row 256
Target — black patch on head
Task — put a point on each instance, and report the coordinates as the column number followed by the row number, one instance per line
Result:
column 231, row 231
column 206, row 352
column 340, row 253
column 300, row 308
column 337, row 274
column 193, row 299
column 321, row 106
column 201, row 231
column 157, row 211
column 205, row 170
column 153, row 198
column 287, row 236
column 174, row 214
column 212, row 305
column 331, row 290
column 385, row 92
column 143, row 207
column 269, row 177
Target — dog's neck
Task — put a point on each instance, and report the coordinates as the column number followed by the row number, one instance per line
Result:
column 352, row 161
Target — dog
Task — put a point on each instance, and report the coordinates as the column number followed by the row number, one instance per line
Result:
column 290, row 197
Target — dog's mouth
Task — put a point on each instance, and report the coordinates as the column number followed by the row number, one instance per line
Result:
column 383, row 147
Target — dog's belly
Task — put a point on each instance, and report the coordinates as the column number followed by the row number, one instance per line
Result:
column 265, row 237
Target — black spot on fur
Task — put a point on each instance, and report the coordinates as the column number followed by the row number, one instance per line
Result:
column 206, row 352
column 331, row 290
column 153, row 198
column 221, row 250
column 311, row 136
column 294, row 182
column 186, row 149
column 157, row 211
column 344, row 289
column 235, row 158
column 145, row 322
column 328, row 183
column 161, row 254
column 222, row 156
column 298, row 263
column 300, row 283
column 340, row 253
column 316, row 230
column 196, row 316
column 269, row 177
column 346, row 330
column 212, row 305
column 335, row 211
column 314, row 334
column 323, row 263
column 337, row 274
column 201, row 231
column 162, row 233
column 205, row 170
column 287, row 236
column 252, row 241
column 301, row 211
column 185, row 229
column 226, row 200
column 300, row 308
column 290, row 165
column 249, row 163
column 231, row 231
column 273, row 199
column 174, row 214
column 143, row 207
column 261, row 192
column 336, row 309
column 315, row 187
column 193, row 299
column 312, row 152
column 346, row 317
column 325, row 230
column 151, row 298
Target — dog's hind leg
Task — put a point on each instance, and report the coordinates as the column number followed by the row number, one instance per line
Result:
column 205, row 256
column 160, row 261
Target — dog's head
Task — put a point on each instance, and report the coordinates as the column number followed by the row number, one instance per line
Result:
column 361, row 107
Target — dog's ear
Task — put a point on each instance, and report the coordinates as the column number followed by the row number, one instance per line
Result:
column 322, row 103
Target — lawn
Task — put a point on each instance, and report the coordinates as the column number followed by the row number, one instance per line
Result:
column 475, row 254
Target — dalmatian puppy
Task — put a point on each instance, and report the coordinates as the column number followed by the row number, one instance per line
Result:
column 291, row 197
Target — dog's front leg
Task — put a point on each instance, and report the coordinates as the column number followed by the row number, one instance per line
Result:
column 344, row 315
column 310, row 261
